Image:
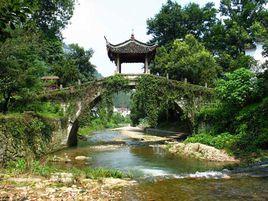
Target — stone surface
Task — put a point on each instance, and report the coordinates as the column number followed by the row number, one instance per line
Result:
column 66, row 178
column 82, row 158
column 65, row 159
column 16, row 130
column 200, row 151
column 85, row 189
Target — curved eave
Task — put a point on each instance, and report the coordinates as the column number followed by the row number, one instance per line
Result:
column 130, row 41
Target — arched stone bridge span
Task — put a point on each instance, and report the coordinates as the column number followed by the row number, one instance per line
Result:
column 76, row 100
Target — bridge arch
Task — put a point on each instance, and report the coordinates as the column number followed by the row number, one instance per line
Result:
column 92, row 93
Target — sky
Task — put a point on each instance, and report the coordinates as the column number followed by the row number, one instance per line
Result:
column 115, row 19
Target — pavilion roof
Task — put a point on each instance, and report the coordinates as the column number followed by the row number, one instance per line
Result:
column 130, row 47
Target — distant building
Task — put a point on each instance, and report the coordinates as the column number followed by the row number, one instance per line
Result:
column 51, row 82
column 123, row 111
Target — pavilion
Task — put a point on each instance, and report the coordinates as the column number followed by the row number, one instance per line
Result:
column 131, row 51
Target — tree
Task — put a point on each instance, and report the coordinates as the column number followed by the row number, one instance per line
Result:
column 51, row 16
column 13, row 13
column 20, row 66
column 81, row 58
column 187, row 59
column 238, row 88
column 174, row 22
column 245, row 12
column 67, row 71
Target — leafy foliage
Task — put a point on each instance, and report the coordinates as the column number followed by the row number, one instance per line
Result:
column 175, row 22
column 81, row 59
column 51, row 16
column 155, row 95
column 187, row 59
column 21, row 66
column 31, row 46
column 240, row 109
column 223, row 140
column 226, row 33
column 238, row 88
column 13, row 13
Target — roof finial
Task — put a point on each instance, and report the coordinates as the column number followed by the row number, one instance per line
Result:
column 132, row 35
column 106, row 40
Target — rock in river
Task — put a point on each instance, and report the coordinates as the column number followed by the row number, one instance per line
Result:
column 200, row 151
column 82, row 158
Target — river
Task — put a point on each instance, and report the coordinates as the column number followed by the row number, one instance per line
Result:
column 162, row 176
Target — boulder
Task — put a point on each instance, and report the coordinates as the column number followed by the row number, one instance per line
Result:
column 82, row 158
column 200, row 151
column 66, row 178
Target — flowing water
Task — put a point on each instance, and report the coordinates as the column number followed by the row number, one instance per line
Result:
column 163, row 176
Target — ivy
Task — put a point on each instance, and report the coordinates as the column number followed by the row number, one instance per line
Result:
column 155, row 95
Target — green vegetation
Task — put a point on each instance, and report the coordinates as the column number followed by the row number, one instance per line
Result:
column 31, row 46
column 45, row 170
column 102, row 115
column 186, row 59
column 122, row 99
column 237, row 119
column 198, row 45
column 221, row 141
column 155, row 96
column 225, row 33
column 99, row 121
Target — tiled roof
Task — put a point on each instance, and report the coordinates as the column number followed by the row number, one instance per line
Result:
column 130, row 47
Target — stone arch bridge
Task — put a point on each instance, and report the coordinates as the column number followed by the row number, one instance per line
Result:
column 76, row 100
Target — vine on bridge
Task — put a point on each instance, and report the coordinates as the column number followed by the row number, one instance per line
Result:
column 155, row 95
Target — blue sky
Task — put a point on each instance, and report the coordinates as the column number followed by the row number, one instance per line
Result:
column 115, row 19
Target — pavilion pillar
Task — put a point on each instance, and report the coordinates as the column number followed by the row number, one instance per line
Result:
column 146, row 65
column 118, row 65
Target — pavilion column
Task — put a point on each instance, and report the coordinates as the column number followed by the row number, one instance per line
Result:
column 118, row 65
column 146, row 65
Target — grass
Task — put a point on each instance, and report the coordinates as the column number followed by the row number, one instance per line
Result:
column 50, row 115
column 45, row 170
column 89, row 129
column 10, row 115
column 95, row 173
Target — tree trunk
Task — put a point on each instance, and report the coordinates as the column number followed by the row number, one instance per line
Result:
column 6, row 101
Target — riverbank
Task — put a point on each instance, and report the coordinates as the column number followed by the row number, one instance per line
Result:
column 200, row 151
column 137, row 133
column 193, row 150
column 98, row 169
column 60, row 186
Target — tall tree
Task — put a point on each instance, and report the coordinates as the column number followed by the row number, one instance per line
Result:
column 20, row 66
column 187, row 59
column 13, row 13
column 81, row 58
column 175, row 22
column 245, row 22
column 51, row 16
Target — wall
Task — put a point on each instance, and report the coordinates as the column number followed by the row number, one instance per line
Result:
column 30, row 136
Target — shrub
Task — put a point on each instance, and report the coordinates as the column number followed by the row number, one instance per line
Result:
column 221, row 141
column 239, row 88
